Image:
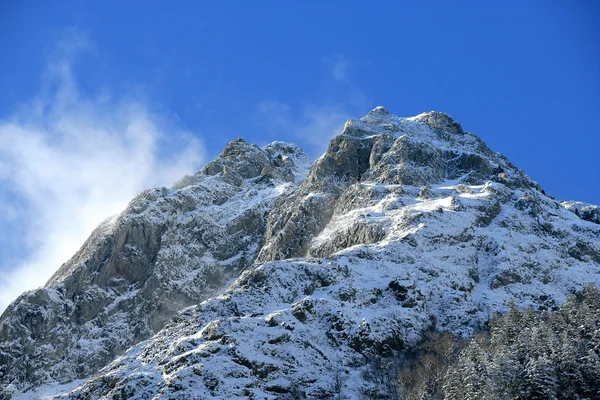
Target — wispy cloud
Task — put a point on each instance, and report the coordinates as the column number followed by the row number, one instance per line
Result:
column 68, row 161
column 338, row 65
column 313, row 124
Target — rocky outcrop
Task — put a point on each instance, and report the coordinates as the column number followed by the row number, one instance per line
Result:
column 296, row 219
column 384, row 149
column 587, row 212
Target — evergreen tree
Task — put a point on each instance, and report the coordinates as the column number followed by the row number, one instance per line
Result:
column 504, row 373
column 540, row 379
column 470, row 374
column 534, row 356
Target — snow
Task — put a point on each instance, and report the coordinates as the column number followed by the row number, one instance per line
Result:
column 48, row 392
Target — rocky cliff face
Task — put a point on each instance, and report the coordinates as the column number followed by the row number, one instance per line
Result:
column 380, row 150
column 404, row 224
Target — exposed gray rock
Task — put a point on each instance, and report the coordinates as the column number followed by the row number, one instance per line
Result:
column 587, row 212
column 381, row 148
column 297, row 219
column 425, row 192
column 361, row 232
column 247, row 160
column 489, row 211
column 505, row 278
column 443, row 122
column 409, row 162
column 585, row 251
column 476, row 166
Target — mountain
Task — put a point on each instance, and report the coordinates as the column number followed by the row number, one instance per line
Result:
column 267, row 276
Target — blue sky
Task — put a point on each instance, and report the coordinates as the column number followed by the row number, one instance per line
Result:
column 83, row 83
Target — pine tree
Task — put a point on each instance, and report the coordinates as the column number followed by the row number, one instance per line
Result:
column 453, row 384
column 540, row 379
column 473, row 371
column 534, row 356
column 505, row 372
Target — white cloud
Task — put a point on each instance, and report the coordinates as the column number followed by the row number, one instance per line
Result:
column 68, row 161
column 313, row 124
column 339, row 67
column 311, row 127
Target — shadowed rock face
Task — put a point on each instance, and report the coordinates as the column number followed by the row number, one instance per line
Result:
column 296, row 219
column 169, row 249
column 443, row 123
column 238, row 161
column 410, row 163
column 403, row 221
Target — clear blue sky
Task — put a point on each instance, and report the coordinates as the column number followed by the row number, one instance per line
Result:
column 523, row 75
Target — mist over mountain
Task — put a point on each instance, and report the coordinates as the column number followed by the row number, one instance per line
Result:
column 266, row 275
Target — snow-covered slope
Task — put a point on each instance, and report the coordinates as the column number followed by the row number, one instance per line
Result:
column 588, row 212
column 404, row 225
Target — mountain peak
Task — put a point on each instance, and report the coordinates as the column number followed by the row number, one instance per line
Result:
column 379, row 111
column 241, row 160
column 440, row 120
column 421, row 150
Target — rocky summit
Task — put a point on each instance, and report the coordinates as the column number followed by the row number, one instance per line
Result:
column 268, row 276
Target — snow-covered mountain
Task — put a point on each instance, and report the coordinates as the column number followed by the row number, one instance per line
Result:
column 295, row 279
